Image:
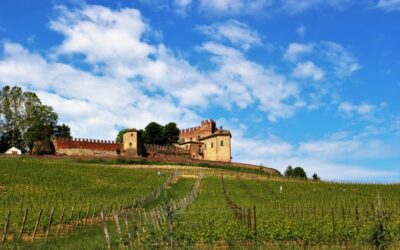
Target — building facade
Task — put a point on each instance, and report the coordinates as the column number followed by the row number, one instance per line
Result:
column 205, row 142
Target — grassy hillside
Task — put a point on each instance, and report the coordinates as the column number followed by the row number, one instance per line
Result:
column 244, row 210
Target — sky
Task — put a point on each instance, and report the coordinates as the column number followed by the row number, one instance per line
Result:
column 310, row 83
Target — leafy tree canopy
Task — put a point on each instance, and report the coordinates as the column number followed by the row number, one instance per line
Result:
column 155, row 133
column 296, row 172
column 24, row 119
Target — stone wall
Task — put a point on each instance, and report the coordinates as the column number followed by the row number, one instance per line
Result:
column 166, row 152
column 206, row 128
column 86, row 147
column 217, row 148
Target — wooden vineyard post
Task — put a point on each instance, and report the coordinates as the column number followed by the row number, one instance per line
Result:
column 105, row 230
column 128, row 232
column 37, row 224
column 249, row 218
column 255, row 221
column 60, row 222
column 50, row 221
column 87, row 215
column 70, row 217
column 357, row 219
column 136, row 233
column 116, row 219
column 6, row 227
column 23, row 224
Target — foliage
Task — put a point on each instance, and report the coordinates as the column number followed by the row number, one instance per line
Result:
column 24, row 119
column 153, row 134
column 315, row 177
column 62, row 131
column 296, row 172
column 170, row 134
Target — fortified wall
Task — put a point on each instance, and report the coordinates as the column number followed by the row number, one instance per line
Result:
column 166, row 152
column 86, row 147
column 206, row 128
column 205, row 142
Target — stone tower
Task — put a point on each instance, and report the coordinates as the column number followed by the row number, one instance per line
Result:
column 132, row 143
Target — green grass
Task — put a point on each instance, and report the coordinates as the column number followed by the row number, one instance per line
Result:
column 307, row 215
column 32, row 183
column 161, row 163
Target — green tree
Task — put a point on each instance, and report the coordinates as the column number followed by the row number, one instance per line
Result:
column 170, row 133
column 315, row 177
column 299, row 172
column 153, row 134
column 289, row 172
column 62, row 131
column 24, row 119
column 296, row 172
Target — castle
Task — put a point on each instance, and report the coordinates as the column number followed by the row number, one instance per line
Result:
column 205, row 142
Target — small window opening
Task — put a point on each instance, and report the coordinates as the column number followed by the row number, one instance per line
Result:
column 222, row 143
column 212, row 145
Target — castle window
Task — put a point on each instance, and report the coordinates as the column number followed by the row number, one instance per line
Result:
column 205, row 146
column 130, row 144
column 131, row 134
column 187, row 146
column 222, row 143
column 212, row 145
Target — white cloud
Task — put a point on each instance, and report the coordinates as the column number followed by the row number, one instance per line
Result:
column 341, row 59
column 308, row 70
column 296, row 50
column 389, row 5
column 246, row 82
column 301, row 31
column 234, row 7
column 93, row 105
column 127, row 81
column 236, row 32
column 295, row 6
column 182, row 6
column 327, row 157
column 349, row 109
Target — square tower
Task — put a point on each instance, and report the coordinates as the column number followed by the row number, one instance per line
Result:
column 131, row 141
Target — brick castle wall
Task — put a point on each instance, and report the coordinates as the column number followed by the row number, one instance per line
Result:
column 85, row 146
column 206, row 128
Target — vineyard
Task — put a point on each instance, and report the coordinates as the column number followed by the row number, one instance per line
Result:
column 53, row 204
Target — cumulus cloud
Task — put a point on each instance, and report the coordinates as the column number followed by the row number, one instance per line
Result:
column 308, row 70
column 234, row 7
column 340, row 59
column 294, row 6
column 133, row 81
column 246, row 82
column 296, row 50
column 343, row 61
column 364, row 110
column 389, row 5
column 235, row 32
column 329, row 158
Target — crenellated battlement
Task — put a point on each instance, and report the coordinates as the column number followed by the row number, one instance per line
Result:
column 84, row 140
column 205, row 125
column 63, row 145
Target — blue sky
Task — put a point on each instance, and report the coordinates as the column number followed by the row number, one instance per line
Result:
column 312, row 83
